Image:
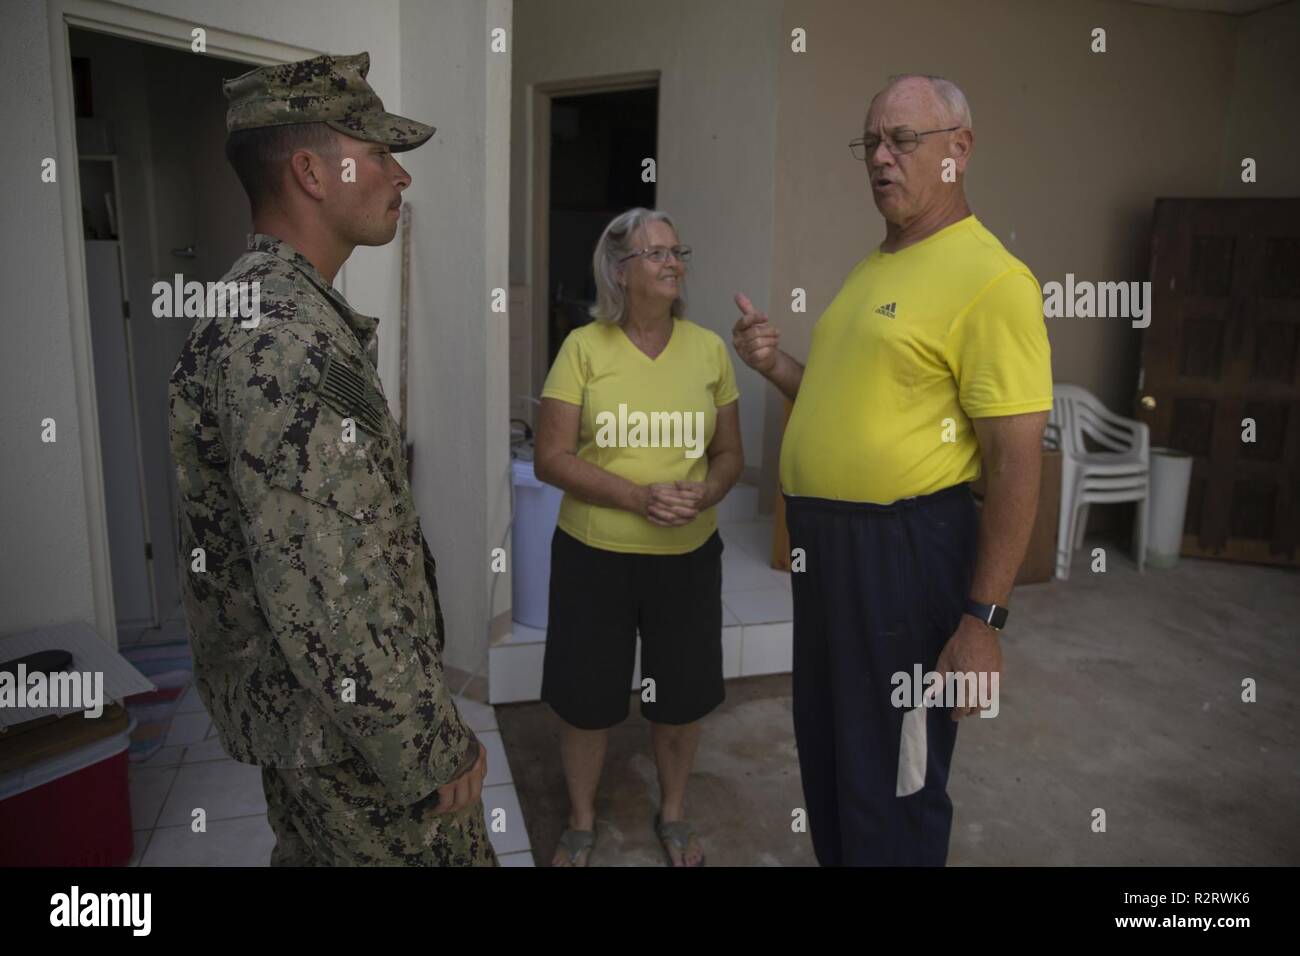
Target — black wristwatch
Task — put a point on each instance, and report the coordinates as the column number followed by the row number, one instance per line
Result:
column 991, row 614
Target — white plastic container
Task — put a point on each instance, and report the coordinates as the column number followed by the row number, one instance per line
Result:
column 1171, row 476
column 537, row 508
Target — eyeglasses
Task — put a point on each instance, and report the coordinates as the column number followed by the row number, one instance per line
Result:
column 901, row 141
column 660, row 254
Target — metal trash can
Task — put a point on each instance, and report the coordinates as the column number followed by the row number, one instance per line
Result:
column 1171, row 476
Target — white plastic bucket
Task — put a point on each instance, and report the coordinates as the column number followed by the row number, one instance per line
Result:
column 1171, row 476
column 537, row 508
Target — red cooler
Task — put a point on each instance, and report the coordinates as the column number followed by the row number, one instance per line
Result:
column 65, row 801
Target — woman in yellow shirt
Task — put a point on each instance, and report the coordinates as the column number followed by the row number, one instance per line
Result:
column 640, row 428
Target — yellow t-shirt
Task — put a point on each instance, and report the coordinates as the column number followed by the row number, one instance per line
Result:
column 646, row 420
column 915, row 345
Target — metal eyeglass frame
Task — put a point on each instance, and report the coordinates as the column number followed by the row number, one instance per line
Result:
column 894, row 146
column 680, row 253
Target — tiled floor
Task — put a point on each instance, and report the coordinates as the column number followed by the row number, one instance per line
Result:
column 192, row 771
column 173, row 629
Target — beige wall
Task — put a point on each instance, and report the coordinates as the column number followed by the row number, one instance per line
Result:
column 1265, row 102
column 1071, row 147
column 715, row 142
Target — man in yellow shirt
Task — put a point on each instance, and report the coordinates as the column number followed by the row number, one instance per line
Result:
column 930, row 363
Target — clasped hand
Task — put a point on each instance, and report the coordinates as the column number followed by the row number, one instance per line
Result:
column 671, row 504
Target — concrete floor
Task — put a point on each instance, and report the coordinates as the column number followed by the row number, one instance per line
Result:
column 1120, row 691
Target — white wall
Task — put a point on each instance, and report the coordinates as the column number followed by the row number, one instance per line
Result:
column 46, row 570
column 717, row 128
column 457, row 367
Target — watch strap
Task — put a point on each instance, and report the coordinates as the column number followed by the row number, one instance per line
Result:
column 993, row 615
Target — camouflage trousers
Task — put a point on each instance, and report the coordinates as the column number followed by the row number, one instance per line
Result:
column 340, row 815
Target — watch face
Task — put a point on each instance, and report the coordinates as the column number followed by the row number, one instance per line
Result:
column 998, row 618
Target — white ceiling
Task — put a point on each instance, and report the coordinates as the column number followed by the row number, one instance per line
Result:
column 1236, row 7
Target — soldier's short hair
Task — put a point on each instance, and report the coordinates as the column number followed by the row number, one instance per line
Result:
column 258, row 155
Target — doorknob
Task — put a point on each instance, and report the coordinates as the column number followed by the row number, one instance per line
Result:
column 1148, row 402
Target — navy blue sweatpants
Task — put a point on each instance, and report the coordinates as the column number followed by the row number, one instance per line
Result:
column 883, row 590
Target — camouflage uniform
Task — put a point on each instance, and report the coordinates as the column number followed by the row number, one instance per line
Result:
column 316, row 630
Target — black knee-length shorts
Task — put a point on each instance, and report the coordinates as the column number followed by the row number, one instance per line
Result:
column 600, row 600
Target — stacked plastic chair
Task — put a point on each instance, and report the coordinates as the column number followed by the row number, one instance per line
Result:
column 1117, row 469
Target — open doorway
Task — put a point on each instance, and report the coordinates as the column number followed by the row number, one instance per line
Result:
column 157, row 199
column 588, row 146
column 599, row 142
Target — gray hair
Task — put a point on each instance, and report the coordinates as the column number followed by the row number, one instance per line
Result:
column 951, row 99
column 616, row 243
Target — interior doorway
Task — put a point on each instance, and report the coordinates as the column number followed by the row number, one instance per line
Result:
column 158, row 199
column 590, row 141
column 599, row 144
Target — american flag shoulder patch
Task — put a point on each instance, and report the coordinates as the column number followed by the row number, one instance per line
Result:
column 349, row 393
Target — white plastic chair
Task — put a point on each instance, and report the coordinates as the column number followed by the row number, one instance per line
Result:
column 1122, row 472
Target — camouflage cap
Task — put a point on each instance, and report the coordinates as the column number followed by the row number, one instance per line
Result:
column 325, row 89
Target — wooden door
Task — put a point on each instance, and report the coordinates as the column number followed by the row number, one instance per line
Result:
column 1222, row 347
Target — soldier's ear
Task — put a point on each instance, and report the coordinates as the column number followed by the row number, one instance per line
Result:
column 308, row 172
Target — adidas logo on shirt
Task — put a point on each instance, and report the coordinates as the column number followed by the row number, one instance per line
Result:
column 886, row 310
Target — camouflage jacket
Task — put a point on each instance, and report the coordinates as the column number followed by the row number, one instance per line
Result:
column 315, row 624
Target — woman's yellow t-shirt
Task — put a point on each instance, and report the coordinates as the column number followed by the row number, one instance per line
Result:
column 643, row 419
